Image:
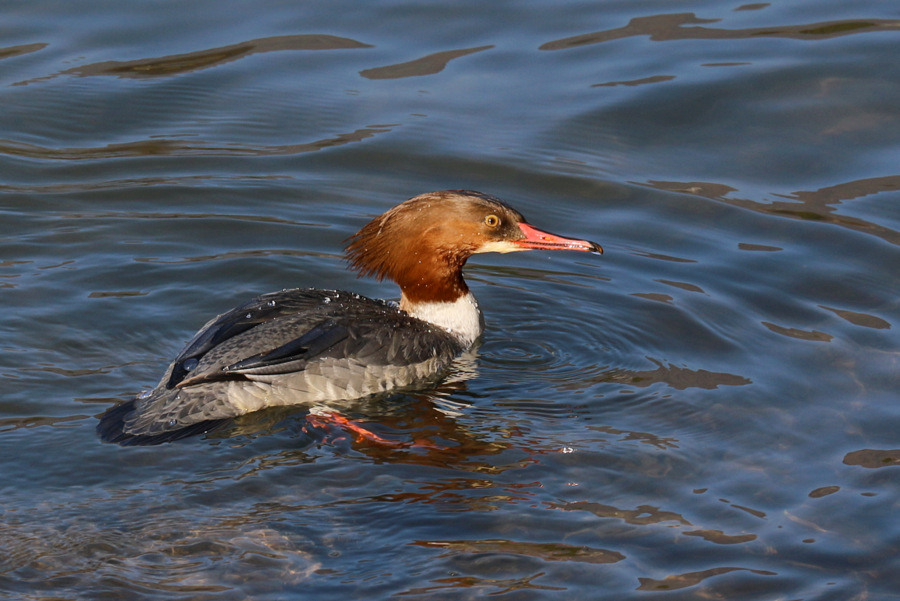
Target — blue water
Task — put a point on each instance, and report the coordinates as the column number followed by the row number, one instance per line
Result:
column 709, row 410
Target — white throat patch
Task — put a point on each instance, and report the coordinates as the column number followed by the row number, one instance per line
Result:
column 462, row 317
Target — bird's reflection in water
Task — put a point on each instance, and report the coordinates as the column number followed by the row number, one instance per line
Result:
column 433, row 427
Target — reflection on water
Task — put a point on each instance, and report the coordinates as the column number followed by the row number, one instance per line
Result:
column 820, row 205
column 182, row 148
column 872, row 458
column 547, row 552
column 427, row 65
column 12, row 51
column 708, row 412
column 178, row 64
column 663, row 28
column 691, row 578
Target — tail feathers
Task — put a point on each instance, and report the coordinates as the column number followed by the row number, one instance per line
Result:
column 112, row 428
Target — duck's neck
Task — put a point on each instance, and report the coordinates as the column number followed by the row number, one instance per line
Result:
column 460, row 317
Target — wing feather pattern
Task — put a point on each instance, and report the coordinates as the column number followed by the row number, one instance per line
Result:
column 273, row 348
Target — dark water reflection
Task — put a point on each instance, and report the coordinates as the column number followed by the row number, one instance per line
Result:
column 666, row 28
column 168, row 66
column 820, row 205
column 710, row 410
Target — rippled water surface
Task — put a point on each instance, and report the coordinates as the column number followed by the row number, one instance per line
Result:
column 709, row 410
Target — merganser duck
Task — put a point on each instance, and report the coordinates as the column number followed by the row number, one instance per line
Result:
column 308, row 346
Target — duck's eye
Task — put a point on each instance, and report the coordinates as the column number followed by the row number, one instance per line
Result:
column 492, row 221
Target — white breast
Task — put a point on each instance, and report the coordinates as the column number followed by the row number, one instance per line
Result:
column 462, row 317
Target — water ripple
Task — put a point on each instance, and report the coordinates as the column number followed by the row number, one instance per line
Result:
column 181, row 148
column 178, row 64
column 11, row 51
column 814, row 205
column 671, row 27
column 427, row 65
